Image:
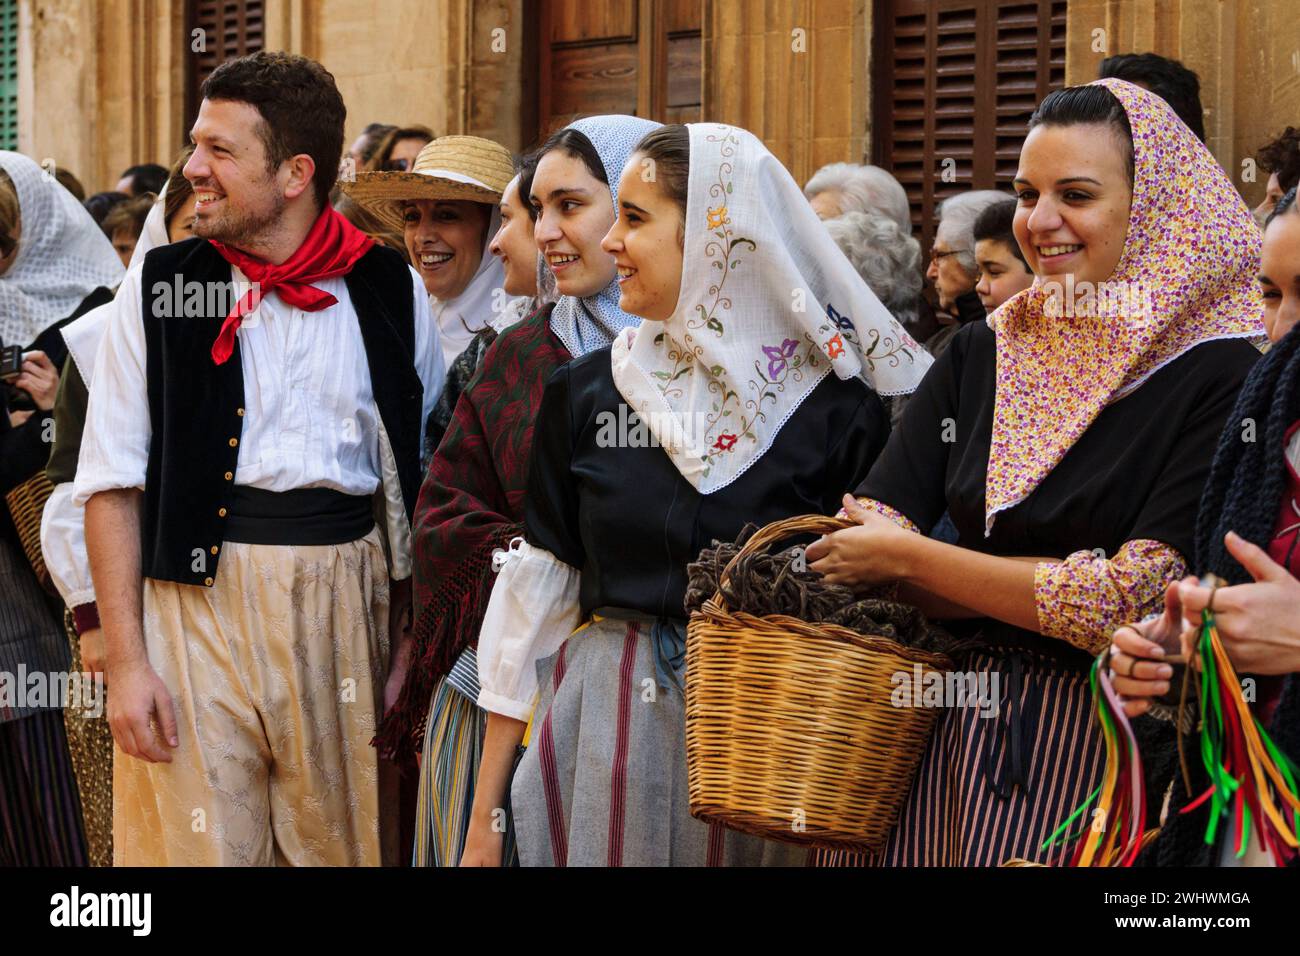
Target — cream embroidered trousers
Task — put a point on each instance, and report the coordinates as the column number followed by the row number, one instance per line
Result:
column 276, row 674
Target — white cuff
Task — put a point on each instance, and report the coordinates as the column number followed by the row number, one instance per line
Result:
column 533, row 610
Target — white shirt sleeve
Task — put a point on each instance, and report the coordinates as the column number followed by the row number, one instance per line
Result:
column 533, row 610
column 115, row 442
column 63, row 545
column 428, row 352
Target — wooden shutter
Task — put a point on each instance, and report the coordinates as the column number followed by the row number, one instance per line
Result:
column 641, row 57
column 957, row 80
column 231, row 28
column 8, row 74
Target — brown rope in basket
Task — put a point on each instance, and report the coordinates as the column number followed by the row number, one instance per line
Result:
column 762, row 582
column 791, row 732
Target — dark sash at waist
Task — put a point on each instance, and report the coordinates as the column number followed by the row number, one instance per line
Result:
column 304, row 516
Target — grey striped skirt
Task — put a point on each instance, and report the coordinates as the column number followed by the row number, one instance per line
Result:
column 603, row 782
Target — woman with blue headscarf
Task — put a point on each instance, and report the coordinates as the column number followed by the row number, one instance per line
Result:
column 472, row 501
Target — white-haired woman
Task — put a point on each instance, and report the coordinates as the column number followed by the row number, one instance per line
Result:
column 840, row 188
column 887, row 258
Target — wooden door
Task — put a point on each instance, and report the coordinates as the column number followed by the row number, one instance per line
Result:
column 641, row 57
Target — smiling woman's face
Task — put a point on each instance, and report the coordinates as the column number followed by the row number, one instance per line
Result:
column 1279, row 274
column 646, row 243
column 513, row 243
column 444, row 238
column 574, row 211
column 1074, row 198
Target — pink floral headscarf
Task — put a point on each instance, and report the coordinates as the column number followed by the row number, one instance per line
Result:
column 1186, row 275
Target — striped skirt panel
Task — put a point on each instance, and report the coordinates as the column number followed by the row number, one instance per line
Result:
column 453, row 745
column 40, row 813
column 967, row 805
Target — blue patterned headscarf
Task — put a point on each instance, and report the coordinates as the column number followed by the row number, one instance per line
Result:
column 591, row 323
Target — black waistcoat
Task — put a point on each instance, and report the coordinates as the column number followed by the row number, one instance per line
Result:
column 196, row 407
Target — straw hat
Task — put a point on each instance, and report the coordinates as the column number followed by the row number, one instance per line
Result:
column 451, row 167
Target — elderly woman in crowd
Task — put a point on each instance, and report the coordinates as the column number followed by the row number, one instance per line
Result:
column 953, row 268
column 886, row 256
column 841, row 188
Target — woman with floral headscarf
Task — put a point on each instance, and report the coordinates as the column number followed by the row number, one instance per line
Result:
column 751, row 392
column 1069, row 438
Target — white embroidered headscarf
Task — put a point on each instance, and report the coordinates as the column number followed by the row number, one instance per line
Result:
column 62, row 255
column 584, row 325
column 768, row 306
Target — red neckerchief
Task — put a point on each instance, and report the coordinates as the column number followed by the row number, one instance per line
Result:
column 331, row 249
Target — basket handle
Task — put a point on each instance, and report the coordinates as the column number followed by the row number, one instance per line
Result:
column 776, row 531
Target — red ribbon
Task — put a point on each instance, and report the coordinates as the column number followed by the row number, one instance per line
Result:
column 331, row 248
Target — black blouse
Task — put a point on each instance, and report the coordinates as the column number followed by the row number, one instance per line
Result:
column 628, row 520
column 1136, row 472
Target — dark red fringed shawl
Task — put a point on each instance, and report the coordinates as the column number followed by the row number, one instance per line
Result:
column 471, row 503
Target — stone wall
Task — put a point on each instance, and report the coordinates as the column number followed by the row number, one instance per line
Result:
column 1246, row 52
column 102, row 82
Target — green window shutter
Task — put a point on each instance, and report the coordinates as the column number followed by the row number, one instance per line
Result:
column 8, row 74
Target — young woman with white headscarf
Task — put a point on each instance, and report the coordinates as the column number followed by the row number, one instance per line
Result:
column 751, row 393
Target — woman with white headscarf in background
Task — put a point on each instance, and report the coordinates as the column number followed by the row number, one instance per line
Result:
column 55, row 263
column 63, row 540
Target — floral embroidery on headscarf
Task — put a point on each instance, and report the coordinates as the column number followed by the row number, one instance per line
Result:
column 1186, row 275
column 753, row 331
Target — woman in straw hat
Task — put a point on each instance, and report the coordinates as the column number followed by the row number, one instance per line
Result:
column 447, row 206
column 472, row 502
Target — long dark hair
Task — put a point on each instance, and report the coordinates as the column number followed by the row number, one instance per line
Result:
column 179, row 189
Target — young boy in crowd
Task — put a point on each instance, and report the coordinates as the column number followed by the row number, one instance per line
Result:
column 1003, row 270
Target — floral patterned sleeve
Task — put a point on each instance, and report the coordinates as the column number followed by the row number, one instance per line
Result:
column 1084, row 598
column 900, row 519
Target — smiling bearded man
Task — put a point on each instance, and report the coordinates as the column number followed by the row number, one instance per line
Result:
column 234, row 466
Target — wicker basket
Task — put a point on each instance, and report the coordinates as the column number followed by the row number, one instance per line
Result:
column 26, row 505
column 790, row 733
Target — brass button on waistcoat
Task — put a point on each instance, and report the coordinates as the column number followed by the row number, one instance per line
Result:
column 229, row 475
column 221, row 512
column 208, row 581
column 234, row 442
column 239, row 412
column 214, row 549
